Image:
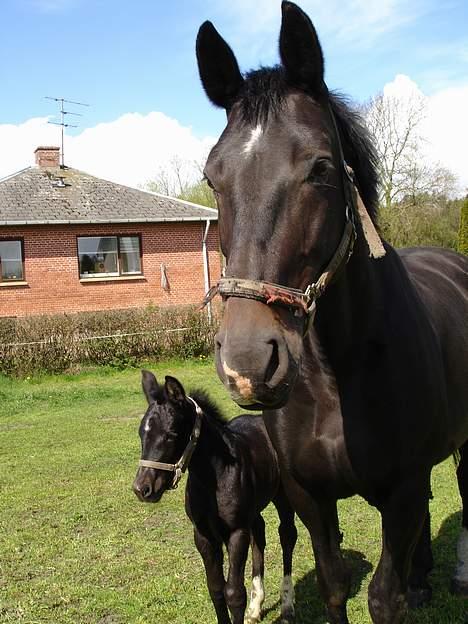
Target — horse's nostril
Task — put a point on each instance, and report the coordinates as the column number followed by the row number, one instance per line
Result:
column 146, row 491
column 273, row 363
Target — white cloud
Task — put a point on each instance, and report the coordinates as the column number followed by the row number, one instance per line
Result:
column 445, row 125
column 129, row 150
column 446, row 130
column 19, row 142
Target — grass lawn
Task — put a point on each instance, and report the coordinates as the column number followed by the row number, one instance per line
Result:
column 77, row 547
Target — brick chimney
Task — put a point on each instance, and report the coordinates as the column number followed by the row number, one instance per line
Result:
column 47, row 156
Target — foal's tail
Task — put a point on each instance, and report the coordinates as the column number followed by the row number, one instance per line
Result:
column 456, row 457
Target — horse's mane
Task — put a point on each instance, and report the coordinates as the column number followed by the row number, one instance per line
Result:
column 262, row 95
column 210, row 409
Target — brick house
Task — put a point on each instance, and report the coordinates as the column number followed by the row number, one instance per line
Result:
column 71, row 242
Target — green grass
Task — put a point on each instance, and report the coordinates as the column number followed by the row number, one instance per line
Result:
column 77, row 547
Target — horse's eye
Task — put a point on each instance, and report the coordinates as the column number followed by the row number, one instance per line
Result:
column 320, row 172
column 210, row 184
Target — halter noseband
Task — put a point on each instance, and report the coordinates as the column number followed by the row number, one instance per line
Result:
column 294, row 298
column 181, row 466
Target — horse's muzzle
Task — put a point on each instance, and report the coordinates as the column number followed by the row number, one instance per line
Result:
column 255, row 355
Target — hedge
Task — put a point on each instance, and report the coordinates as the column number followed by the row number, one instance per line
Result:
column 51, row 344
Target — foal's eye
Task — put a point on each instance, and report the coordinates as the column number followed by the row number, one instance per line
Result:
column 320, row 172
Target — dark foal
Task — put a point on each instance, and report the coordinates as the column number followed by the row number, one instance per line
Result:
column 233, row 475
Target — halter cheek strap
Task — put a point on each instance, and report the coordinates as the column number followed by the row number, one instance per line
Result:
column 181, row 466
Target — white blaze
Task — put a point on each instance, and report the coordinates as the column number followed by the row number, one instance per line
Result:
column 256, row 133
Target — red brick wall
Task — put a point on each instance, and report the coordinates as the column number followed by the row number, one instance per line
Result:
column 53, row 282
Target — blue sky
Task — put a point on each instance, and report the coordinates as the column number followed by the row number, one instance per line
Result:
column 138, row 57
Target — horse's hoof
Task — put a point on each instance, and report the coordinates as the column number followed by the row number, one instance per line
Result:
column 459, row 588
column 418, row 597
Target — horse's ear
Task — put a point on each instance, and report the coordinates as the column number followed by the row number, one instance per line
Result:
column 174, row 390
column 150, row 386
column 300, row 50
column 218, row 68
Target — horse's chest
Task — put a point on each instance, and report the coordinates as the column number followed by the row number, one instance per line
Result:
column 321, row 464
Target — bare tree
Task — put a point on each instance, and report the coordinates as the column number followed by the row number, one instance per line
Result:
column 174, row 178
column 394, row 123
column 423, row 181
column 182, row 179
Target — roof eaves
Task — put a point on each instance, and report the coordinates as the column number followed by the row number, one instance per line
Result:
column 11, row 222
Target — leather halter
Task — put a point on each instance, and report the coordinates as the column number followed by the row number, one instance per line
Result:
column 181, row 466
column 305, row 300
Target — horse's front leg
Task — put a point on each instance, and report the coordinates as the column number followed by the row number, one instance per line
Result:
column 404, row 513
column 257, row 596
column 212, row 555
column 234, row 591
column 321, row 520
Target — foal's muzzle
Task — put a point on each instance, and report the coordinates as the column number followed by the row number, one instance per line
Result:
column 149, row 488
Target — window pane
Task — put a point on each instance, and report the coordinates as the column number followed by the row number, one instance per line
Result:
column 98, row 256
column 130, row 255
column 97, row 244
column 11, row 260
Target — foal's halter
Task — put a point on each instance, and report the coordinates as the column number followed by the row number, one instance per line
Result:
column 181, row 466
column 294, row 298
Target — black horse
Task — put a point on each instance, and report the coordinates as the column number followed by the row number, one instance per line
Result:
column 233, row 475
column 380, row 384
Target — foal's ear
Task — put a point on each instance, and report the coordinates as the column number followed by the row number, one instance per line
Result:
column 300, row 49
column 150, row 386
column 174, row 390
column 218, row 68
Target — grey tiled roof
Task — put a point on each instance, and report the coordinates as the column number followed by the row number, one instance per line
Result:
column 34, row 196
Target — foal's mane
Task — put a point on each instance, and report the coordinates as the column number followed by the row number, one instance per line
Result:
column 262, row 95
column 210, row 410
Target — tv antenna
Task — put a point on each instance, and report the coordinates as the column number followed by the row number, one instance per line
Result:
column 62, row 121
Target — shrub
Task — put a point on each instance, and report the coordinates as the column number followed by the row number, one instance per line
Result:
column 463, row 230
column 424, row 224
column 121, row 338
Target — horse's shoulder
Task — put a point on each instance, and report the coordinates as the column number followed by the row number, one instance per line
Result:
column 436, row 273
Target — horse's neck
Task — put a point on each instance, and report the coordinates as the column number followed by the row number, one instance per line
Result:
column 349, row 313
column 212, row 448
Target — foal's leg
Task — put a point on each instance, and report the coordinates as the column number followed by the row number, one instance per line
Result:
column 460, row 578
column 212, row 555
column 257, row 595
column 403, row 518
column 321, row 520
column 288, row 537
column 236, row 596
column 419, row 591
